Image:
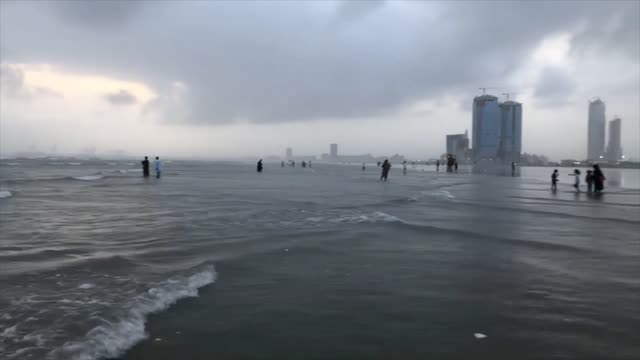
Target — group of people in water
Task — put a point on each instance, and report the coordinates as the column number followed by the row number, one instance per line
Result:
column 594, row 178
column 145, row 167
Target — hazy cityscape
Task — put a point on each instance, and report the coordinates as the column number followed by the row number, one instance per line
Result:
column 326, row 180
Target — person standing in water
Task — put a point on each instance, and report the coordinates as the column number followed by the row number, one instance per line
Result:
column 145, row 166
column 438, row 165
column 157, row 166
column 554, row 180
column 513, row 168
column 589, row 180
column 404, row 167
column 598, row 178
column 576, row 183
column 386, row 165
column 455, row 164
column 364, row 167
column 282, row 163
column 259, row 166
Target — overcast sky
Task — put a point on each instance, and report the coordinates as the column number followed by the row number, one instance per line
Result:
column 219, row 79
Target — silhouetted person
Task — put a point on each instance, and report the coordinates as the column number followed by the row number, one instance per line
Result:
column 437, row 165
column 455, row 164
column 364, row 167
column 259, row 166
column 404, row 167
column 589, row 180
column 304, row 164
column 513, row 168
column 598, row 178
column 576, row 182
column 554, row 180
column 386, row 165
column 282, row 164
column 157, row 166
column 145, row 166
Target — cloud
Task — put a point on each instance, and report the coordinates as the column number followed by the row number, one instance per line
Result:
column 555, row 87
column 13, row 85
column 121, row 98
column 274, row 62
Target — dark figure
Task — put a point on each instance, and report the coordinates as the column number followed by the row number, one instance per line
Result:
column 364, row 167
column 437, row 165
column 386, row 165
column 259, row 166
column 598, row 178
column 513, row 169
column 404, row 167
column 554, row 180
column 145, row 166
column 455, row 164
column 157, row 166
column 449, row 163
column 304, row 164
column 309, row 163
column 378, row 163
column 282, row 164
column 589, row 180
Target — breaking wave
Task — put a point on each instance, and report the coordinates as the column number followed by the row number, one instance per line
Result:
column 5, row 194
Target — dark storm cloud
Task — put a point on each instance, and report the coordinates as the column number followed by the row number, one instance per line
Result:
column 288, row 61
column 121, row 98
column 554, row 87
column 97, row 14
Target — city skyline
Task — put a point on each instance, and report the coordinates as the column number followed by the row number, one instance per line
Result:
column 306, row 74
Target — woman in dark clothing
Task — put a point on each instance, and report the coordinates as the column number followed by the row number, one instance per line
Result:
column 598, row 178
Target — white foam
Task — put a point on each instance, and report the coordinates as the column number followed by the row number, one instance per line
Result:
column 5, row 194
column 376, row 216
column 479, row 335
column 9, row 332
column 74, row 163
column 13, row 164
column 112, row 339
column 89, row 177
column 86, row 286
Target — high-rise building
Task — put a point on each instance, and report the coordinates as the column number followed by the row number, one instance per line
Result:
column 510, row 144
column 458, row 145
column 289, row 153
column 333, row 150
column 486, row 127
column 614, row 148
column 596, row 132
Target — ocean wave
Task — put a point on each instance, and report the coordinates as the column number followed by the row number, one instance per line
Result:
column 74, row 163
column 374, row 217
column 5, row 194
column 113, row 338
column 88, row 177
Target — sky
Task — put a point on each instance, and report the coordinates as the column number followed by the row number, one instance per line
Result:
column 232, row 79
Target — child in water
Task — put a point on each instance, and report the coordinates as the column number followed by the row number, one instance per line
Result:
column 576, row 183
column 554, row 179
column 589, row 180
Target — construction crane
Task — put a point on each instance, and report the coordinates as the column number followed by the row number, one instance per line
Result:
column 484, row 89
column 508, row 94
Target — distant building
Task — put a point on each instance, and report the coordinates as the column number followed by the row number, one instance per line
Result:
column 458, row 145
column 289, row 153
column 596, row 132
column 614, row 148
column 486, row 127
column 333, row 151
column 510, row 144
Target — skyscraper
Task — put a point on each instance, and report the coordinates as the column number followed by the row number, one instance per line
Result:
column 289, row 153
column 510, row 145
column 596, row 132
column 614, row 148
column 486, row 127
column 333, row 150
column 458, row 145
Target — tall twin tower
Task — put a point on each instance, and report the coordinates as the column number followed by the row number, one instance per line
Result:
column 596, row 134
column 497, row 130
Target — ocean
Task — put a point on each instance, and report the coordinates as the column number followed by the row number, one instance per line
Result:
column 216, row 261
